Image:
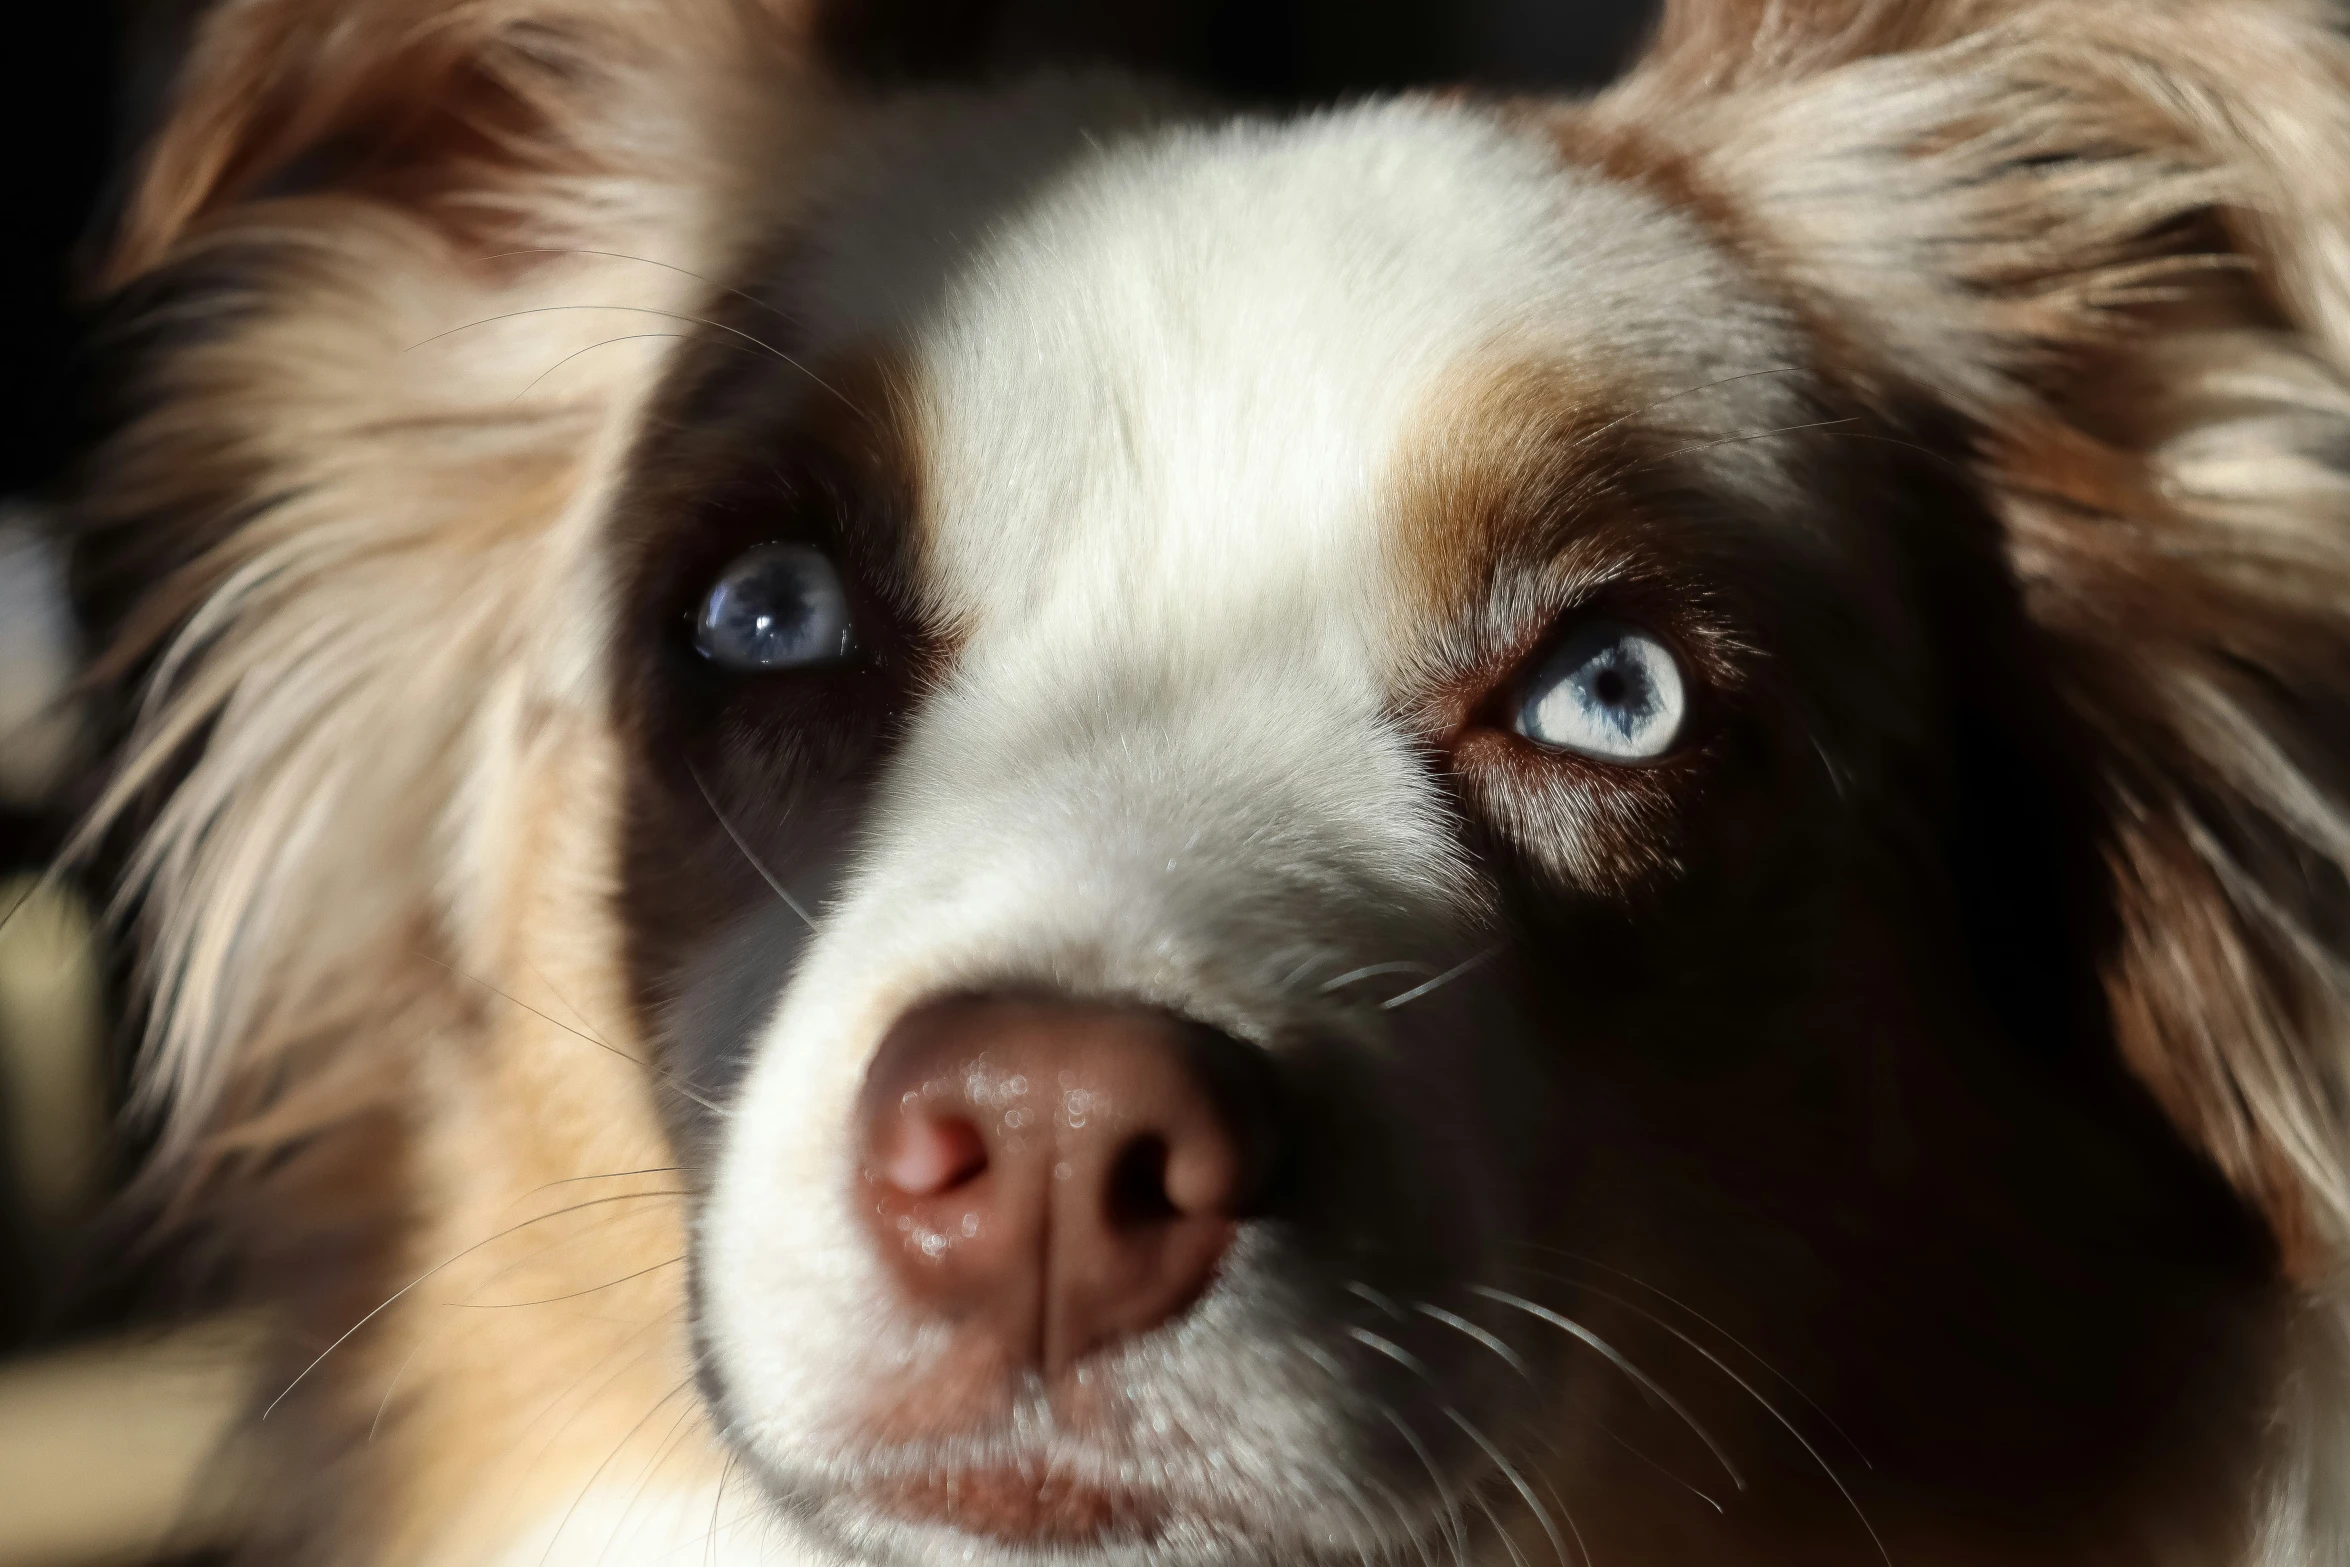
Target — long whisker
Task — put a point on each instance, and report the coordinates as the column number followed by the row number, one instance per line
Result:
column 617, row 1449
column 1464, row 1325
column 514, row 1305
column 26, row 897
column 1501, row 1533
column 717, row 1503
column 644, row 310
column 385, row 1402
column 611, row 1374
column 1770, row 1408
column 644, row 1482
column 1525, row 1492
column 1404, row 1358
column 1403, row 1519
column 1394, row 1504
column 1581, row 1549
column 752, row 300
column 508, row 996
column 1616, row 1358
column 1686, row 391
column 597, row 1036
column 577, row 1016
column 1361, row 1537
column 1393, row 1351
column 765, row 874
column 608, row 1175
column 583, row 1235
column 1943, row 458
column 1455, row 1527
column 625, row 337
column 1294, row 975
column 1751, row 435
column 1440, row 981
column 447, row 1262
column 636, row 1061
column 1744, row 1348
column 1411, row 1363
column 1372, row 971
column 1660, row 1468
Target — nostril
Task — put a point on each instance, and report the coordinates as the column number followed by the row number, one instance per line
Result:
column 924, row 1157
column 1137, row 1187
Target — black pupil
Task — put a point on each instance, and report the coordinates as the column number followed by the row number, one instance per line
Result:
column 769, row 607
column 778, row 607
column 776, row 600
column 1610, row 687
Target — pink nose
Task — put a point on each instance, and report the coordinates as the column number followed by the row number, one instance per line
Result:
column 1058, row 1175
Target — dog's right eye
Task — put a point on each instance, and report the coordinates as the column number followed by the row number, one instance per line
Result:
column 1611, row 691
column 780, row 606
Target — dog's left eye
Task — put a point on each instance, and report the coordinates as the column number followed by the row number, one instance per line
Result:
column 1611, row 691
column 780, row 606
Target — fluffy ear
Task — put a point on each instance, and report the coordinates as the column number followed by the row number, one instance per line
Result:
column 397, row 272
column 2113, row 238
column 453, row 108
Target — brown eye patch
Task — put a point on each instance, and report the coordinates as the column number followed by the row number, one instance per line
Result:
column 1561, row 537
column 749, row 773
column 1606, row 824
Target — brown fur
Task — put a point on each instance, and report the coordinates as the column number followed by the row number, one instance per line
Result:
column 2183, row 221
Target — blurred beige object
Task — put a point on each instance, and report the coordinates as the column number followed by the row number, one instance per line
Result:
column 39, row 728
column 52, row 1076
column 117, row 1454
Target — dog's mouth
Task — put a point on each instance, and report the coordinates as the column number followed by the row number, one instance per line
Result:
column 1034, row 1505
column 1071, row 1501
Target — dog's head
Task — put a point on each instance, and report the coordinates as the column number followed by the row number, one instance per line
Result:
column 1293, row 817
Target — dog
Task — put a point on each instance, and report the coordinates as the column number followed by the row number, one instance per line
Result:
column 1044, row 823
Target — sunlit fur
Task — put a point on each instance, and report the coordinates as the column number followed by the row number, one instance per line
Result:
column 416, row 291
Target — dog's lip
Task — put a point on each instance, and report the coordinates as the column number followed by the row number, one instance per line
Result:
column 1022, row 1505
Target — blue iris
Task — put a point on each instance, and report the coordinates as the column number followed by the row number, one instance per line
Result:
column 780, row 606
column 1610, row 691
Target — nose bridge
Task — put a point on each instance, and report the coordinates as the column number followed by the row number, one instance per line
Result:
column 1142, row 811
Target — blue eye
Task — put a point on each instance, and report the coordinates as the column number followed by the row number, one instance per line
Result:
column 780, row 606
column 1609, row 691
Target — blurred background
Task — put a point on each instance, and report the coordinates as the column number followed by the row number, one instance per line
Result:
column 113, row 1392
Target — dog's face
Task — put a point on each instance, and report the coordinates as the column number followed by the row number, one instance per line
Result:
column 1279, row 767
column 1517, row 829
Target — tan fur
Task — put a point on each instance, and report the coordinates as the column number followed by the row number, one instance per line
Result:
column 400, row 727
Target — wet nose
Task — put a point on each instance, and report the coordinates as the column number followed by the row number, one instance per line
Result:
column 1059, row 1175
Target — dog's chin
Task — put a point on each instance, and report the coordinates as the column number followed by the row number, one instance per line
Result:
column 1025, row 1507
column 1026, row 1524
column 1026, row 1514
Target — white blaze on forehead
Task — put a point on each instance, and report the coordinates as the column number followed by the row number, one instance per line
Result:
column 1165, row 390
